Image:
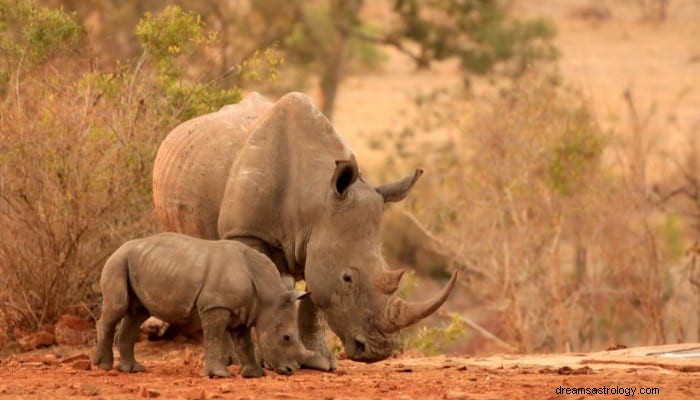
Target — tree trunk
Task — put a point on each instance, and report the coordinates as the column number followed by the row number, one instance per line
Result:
column 330, row 79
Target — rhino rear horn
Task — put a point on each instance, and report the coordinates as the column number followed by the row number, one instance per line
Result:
column 399, row 313
column 397, row 191
column 388, row 282
column 346, row 173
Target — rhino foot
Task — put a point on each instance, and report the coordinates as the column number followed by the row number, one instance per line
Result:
column 216, row 371
column 321, row 362
column 252, row 371
column 104, row 361
column 127, row 366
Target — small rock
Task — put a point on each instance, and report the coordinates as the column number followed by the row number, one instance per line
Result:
column 50, row 328
column 81, row 356
column 72, row 330
column 148, row 392
column 36, row 340
column 226, row 388
column 82, row 365
column 462, row 368
column 32, row 364
column 50, row 359
column 3, row 389
column 197, row 395
column 456, row 396
column 89, row 389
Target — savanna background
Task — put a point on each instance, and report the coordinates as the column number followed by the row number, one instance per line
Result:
column 559, row 138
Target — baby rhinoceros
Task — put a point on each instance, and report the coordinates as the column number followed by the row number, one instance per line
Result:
column 227, row 285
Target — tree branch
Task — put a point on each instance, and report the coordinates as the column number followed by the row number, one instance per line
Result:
column 421, row 61
column 483, row 331
column 447, row 251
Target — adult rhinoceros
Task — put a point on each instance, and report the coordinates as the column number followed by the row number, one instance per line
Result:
column 278, row 177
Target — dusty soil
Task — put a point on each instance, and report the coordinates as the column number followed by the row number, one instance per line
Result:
column 62, row 372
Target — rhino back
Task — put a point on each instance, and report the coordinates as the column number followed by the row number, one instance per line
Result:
column 167, row 272
column 229, row 282
column 193, row 163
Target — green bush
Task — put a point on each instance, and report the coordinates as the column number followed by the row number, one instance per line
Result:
column 77, row 147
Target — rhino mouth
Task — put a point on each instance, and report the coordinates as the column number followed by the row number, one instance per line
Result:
column 360, row 348
column 286, row 370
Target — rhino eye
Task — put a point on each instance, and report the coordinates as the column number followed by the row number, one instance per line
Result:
column 286, row 337
column 347, row 277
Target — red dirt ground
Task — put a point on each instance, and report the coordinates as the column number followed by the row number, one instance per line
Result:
column 62, row 372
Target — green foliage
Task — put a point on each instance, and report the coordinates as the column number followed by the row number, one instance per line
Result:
column 172, row 32
column 479, row 32
column 577, row 149
column 673, row 235
column 172, row 38
column 191, row 100
column 408, row 283
column 434, row 340
column 37, row 32
column 262, row 66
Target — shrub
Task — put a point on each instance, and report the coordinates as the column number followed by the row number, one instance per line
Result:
column 77, row 143
column 543, row 213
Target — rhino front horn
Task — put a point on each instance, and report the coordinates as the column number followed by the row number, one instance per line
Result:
column 399, row 313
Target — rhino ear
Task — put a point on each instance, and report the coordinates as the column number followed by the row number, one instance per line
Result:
column 397, row 191
column 346, row 173
column 292, row 296
column 301, row 295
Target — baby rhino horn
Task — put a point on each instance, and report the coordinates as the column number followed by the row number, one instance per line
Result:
column 388, row 282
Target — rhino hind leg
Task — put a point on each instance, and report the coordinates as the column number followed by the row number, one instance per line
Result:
column 216, row 342
column 312, row 332
column 115, row 305
column 126, row 338
column 103, row 355
column 230, row 356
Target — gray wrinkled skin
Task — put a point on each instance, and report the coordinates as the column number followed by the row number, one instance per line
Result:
column 225, row 285
column 278, row 177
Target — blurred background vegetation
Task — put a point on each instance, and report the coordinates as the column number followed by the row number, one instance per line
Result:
column 564, row 241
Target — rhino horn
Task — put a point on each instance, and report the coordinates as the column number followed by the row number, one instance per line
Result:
column 399, row 313
column 397, row 191
column 388, row 282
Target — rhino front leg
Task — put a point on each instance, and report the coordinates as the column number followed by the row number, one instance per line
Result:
column 313, row 335
column 250, row 367
column 214, row 323
column 127, row 336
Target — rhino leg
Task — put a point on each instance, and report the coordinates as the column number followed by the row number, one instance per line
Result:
column 214, row 323
column 115, row 305
column 126, row 338
column 230, row 356
column 103, row 355
column 250, row 368
column 312, row 332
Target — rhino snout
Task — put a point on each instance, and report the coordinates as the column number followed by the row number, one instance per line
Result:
column 287, row 369
column 360, row 348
